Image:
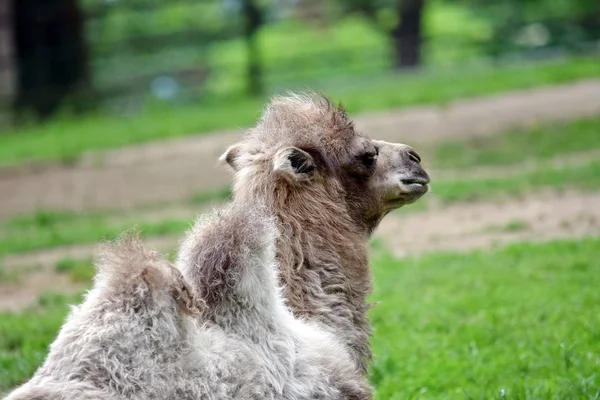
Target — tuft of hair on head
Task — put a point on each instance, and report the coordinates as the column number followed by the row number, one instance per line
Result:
column 126, row 262
column 303, row 117
column 295, row 107
column 307, row 99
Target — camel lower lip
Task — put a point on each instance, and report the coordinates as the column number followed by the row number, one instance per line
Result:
column 415, row 185
column 414, row 182
column 410, row 193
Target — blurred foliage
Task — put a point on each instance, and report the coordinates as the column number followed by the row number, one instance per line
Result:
column 518, row 24
column 184, row 50
column 66, row 138
column 151, row 37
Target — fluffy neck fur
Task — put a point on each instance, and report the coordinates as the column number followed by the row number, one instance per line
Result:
column 322, row 257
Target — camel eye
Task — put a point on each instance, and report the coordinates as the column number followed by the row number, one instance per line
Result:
column 368, row 159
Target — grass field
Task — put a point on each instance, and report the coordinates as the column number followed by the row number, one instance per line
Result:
column 24, row 337
column 539, row 143
column 47, row 229
column 507, row 322
column 523, row 320
column 64, row 139
column 50, row 229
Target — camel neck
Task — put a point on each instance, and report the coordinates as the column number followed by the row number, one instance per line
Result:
column 326, row 279
column 322, row 258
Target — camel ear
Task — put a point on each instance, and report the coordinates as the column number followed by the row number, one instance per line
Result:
column 231, row 157
column 295, row 163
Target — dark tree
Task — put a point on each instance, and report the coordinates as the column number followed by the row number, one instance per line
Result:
column 253, row 20
column 51, row 55
column 408, row 35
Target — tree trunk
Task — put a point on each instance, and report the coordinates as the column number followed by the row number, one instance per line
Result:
column 253, row 21
column 51, row 54
column 407, row 35
column 6, row 62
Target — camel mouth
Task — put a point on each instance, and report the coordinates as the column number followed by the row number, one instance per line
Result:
column 418, row 185
column 409, row 190
column 415, row 182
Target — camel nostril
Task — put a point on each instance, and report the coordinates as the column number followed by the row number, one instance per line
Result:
column 414, row 156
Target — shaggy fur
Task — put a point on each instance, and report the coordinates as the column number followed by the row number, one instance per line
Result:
column 329, row 187
column 131, row 338
column 231, row 259
column 219, row 331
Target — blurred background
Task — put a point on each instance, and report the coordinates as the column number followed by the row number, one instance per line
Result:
column 122, row 55
column 114, row 112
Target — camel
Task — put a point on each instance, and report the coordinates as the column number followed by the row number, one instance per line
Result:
column 216, row 329
column 268, row 297
column 329, row 187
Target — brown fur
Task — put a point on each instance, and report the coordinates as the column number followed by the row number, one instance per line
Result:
column 306, row 161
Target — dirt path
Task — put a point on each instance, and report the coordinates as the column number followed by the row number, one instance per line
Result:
column 461, row 227
column 41, row 276
column 173, row 170
column 25, row 293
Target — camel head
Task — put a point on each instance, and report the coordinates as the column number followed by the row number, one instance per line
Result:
column 305, row 151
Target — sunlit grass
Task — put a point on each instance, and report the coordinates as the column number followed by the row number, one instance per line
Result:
column 584, row 177
column 47, row 229
column 538, row 143
column 66, row 138
column 25, row 336
column 523, row 321
column 80, row 271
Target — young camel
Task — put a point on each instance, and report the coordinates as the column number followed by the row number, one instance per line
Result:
column 329, row 187
column 145, row 332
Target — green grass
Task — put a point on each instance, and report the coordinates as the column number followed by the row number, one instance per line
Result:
column 68, row 137
column 511, row 226
column 514, row 226
column 47, row 229
column 354, row 45
column 211, row 196
column 80, row 271
column 584, row 177
column 538, row 143
column 524, row 319
column 24, row 337
column 443, row 87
